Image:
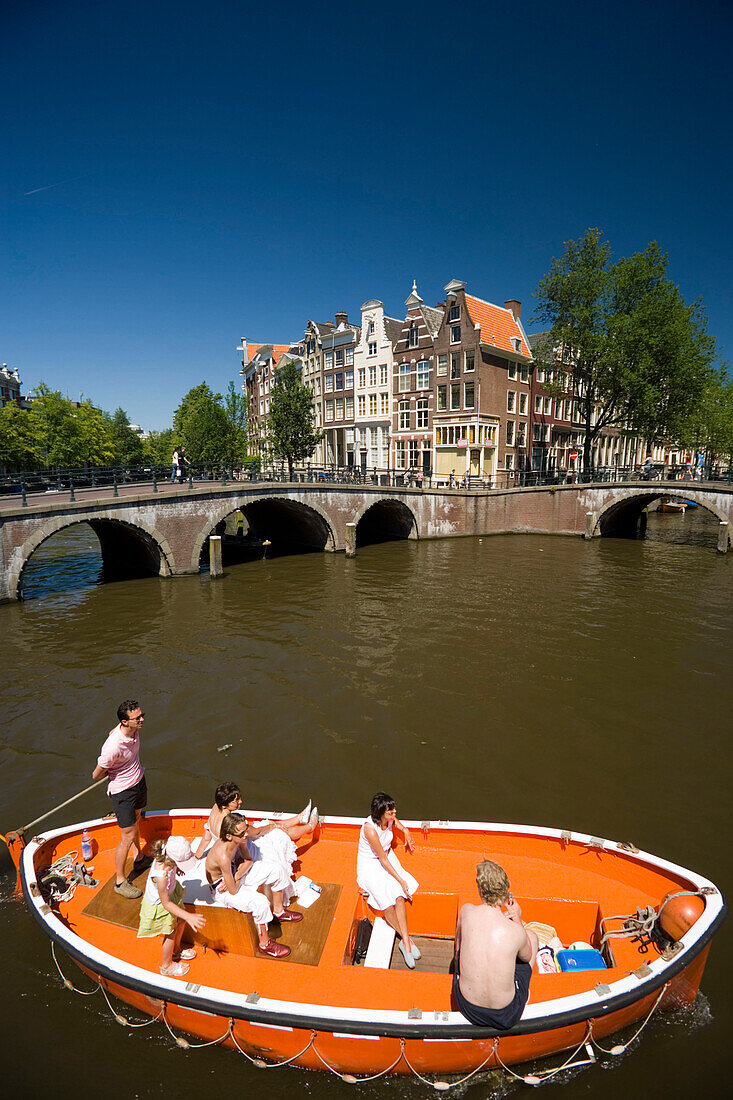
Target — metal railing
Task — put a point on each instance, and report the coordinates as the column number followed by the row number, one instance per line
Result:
column 158, row 478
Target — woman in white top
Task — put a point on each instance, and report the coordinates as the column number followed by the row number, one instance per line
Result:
column 381, row 875
column 280, row 835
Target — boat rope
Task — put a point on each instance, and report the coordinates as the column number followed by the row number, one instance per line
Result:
column 63, row 868
column 122, row 1020
column 349, row 1078
column 68, row 983
column 260, row 1062
column 621, row 1047
column 184, row 1043
column 444, row 1086
column 543, row 1075
column 645, row 920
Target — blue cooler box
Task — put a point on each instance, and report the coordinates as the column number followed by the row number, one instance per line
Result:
column 580, row 960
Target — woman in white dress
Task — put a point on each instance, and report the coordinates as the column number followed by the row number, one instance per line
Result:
column 381, row 875
column 282, row 833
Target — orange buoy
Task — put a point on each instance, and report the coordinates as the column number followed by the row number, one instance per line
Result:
column 679, row 914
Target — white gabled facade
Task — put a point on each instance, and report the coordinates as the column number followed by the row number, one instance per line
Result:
column 373, row 368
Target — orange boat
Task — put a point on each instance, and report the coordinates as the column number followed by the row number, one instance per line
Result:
column 322, row 1008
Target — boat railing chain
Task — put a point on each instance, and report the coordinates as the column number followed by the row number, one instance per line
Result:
column 445, row 1086
column 260, row 1063
column 620, row 1048
column 349, row 1079
column 543, row 1075
column 122, row 1020
column 68, row 983
column 184, row 1043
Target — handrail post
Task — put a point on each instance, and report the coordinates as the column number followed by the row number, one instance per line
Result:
column 114, row 482
column 72, row 497
column 23, row 498
column 155, row 481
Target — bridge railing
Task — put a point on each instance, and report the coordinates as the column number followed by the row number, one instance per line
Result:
column 124, row 479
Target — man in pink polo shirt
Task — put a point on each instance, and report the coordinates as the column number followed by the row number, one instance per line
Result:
column 119, row 760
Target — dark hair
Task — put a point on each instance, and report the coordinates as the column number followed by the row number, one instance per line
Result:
column 225, row 792
column 380, row 804
column 123, row 710
column 229, row 823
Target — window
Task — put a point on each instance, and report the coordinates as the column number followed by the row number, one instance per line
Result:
column 547, row 433
column 413, row 452
column 540, row 374
column 372, row 349
column 455, row 313
column 512, row 372
column 262, row 407
column 329, row 383
column 400, row 454
column 362, row 377
column 522, row 433
column 339, row 357
column 318, row 387
column 510, row 433
column 361, row 405
column 372, row 404
column 383, row 374
column 349, row 380
column 455, row 395
column 536, row 432
column 537, row 403
column 568, row 410
column 371, row 328
column 384, row 404
column 509, row 462
column 329, row 360
column 511, row 401
column 349, row 408
column 403, row 409
column 329, row 410
column 422, row 413
column 339, row 380
column 455, row 334
column 455, row 365
column 442, row 398
column 525, row 374
column 423, row 374
column 349, row 357
column 404, row 377
column 558, row 409
column 339, row 408
column 372, row 376
column 548, row 406
column 442, row 364
column 523, row 404
column 468, row 390
column 412, row 336
column 469, row 360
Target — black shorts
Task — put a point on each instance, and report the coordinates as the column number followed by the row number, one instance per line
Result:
column 126, row 803
column 500, row 1018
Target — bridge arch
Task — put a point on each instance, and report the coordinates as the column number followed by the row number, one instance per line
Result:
column 621, row 516
column 128, row 549
column 282, row 519
column 385, row 520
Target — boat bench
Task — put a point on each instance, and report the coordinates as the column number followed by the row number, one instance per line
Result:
column 381, row 943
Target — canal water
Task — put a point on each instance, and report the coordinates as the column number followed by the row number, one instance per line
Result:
column 516, row 678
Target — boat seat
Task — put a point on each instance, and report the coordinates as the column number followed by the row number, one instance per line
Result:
column 379, row 952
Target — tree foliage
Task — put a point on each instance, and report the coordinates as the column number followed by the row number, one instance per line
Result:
column 291, row 424
column 127, row 445
column 20, row 439
column 158, row 447
column 709, row 430
column 203, row 426
column 640, row 355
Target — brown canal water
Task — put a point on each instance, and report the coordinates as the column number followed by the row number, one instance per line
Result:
column 517, row 678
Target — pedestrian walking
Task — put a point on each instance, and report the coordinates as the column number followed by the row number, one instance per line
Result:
column 174, row 466
column 182, row 460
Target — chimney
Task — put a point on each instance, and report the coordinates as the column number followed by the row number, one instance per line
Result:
column 342, row 319
column 515, row 306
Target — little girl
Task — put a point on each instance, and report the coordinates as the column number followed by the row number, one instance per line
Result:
column 160, row 909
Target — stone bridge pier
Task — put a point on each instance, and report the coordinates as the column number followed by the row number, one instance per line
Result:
column 164, row 533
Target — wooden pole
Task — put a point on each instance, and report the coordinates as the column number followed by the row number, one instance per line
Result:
column 62, row 804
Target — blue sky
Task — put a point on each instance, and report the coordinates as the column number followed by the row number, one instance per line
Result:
column 177, row 175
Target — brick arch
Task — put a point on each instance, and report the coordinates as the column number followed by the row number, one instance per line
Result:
column 647, row 495
column 241, row 505
column 52, row 525
column 390, row 501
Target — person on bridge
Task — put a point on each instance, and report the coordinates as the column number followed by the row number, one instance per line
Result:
column 119, row 760
column 174, row 466
column 235, row 879
column 494, row 953
column 182, row 464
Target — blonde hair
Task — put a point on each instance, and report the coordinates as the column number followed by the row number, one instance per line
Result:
column 492, row 882
column 159, row 852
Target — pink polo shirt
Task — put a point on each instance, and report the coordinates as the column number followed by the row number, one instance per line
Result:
column 120, row 758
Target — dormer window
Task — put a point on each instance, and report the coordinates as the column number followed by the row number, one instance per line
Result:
column 412, row 337
column 455, row 313
column 517, row 343
column 371, row 328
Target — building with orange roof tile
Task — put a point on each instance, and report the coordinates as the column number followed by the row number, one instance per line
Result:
column 260, row 363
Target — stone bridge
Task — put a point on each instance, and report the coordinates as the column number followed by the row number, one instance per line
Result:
column 165, row 532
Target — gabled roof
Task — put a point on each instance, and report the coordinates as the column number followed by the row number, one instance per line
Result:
column 433, row 318
column 267, row 351
column 393, row 328
column 498, row 326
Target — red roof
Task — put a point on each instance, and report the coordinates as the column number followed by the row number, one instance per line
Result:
column 277, row 350
column 498, row 326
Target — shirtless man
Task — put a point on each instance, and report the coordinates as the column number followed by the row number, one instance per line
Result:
column 494, row 954
column 234, row 879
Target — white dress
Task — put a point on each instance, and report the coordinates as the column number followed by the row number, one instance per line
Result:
column 382, row 888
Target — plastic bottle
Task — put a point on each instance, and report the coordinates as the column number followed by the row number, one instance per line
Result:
column 86, row 846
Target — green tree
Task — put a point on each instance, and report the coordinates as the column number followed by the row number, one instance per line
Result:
column 709, row 429
column 291, row 423
column 202, row 426
column 640, row 356
column 235, row 405
column 127, row 445
column 158, row 447
column 20, row 440
column 70, row 436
